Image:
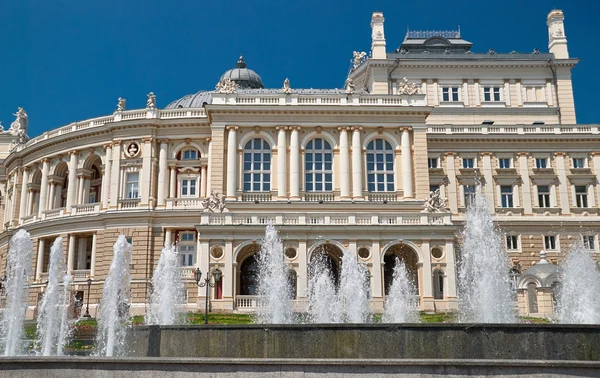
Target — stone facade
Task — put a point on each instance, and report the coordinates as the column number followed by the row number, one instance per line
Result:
column 333, row 170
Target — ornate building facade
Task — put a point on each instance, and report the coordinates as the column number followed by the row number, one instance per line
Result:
column 334, row 170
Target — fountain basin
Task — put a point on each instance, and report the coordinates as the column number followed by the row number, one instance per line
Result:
column 370, row 341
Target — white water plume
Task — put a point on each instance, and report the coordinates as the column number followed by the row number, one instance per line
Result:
column 166, row 300
column 400, row 302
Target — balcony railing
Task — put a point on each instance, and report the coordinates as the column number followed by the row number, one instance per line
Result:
column 381, row 197
column 256, row 196
column 515, row 129
column 319, row 196
column 80, row 274
column 54, row 213
column 129, row 204
column 187, row 272
column 88, row 208
column 184, row 203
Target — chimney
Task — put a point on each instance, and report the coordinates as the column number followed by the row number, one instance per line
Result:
column 377, row 36
column 557, row 39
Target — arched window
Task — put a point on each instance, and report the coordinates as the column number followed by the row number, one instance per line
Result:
column 249, row 276
column 318, row 166
column 380, row 166
column 257, row 166
column 438, row 284
column 189, row 154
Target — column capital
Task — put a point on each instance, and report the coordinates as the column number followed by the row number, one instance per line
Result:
column 405, row 128
column 165, row 141
column 595, row 153
column 147, row 140
column 45, row 160
column 172, row 166
column 356, row 128
column 487, row 154
column 25, row 169
column 209, row 139
column 560, row 154
column 344, row 128
column 116, row 142
column 522, row 153
column 449, row 153
column 107, row 146
column 74, row 152
column 234, row 128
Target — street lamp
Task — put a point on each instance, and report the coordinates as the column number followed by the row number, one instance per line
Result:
column 87, row 307
column 217, row 274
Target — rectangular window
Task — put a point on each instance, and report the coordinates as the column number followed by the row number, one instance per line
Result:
column 543, row 195
column 432, row 163
column 578, row 163
column 506, row 196
column 187, row 248
column 512, row 242
column 550, row 242
column 469, row 195
column 468, row 163
column 589, row 242
column 188, row 187
column 187, row 236
column 491, row 94
column 450, row 94
column 190, row 155
column 541, row 163
column 132, row 185
column 581, row 198
column 504, row 163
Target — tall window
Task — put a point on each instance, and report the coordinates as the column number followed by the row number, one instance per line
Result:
column 543, row 195
column 581, row 197
column 257, row 166
column 491, row 94
column 512, row 242
column 380, row 166
column 187, row 248
column 578, row 163
column 318, row 166
column 468, row 163
column 504, row 163
column 469, row 195
column 438, row 284
column 450, row 94
column 506, row 195
column 188, row 187
column 541, row 163
column 589, row 242
column 433, row 163
column 132, row 185
column 550, row 242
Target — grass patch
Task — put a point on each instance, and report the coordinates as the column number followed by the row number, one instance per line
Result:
column 218, row 318
column 438, row 317
column 530, row 320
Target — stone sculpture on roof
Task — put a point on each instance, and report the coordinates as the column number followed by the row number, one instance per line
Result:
column 357, row 58
column 18, row 127
column 350, row 87
column 151, row 102
column 407, row 88
column 227, row 86
column 435, row 203
column 121, row 102
column 286, row 86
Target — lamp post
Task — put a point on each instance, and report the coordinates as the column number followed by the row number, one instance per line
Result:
column 217, row 274
column 87, row 307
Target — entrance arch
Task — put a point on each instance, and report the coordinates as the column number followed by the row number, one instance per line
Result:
column 247, row 270
column 329, row 257
column 406, row 254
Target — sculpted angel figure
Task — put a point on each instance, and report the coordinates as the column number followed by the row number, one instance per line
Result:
column 227, row 86
column 19, row 125
column 357, row 58
column 350, row 87
column 406, row 88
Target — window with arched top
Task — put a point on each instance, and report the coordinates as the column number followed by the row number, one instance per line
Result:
column 380, row 166
column 257, row 166
column 438, row 284
column 318, row 156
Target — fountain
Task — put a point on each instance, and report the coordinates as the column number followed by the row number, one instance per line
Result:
column 52, row 325
column 114, row 308
column 354, row 290
column 167, row 292
column 273, row 282
column 399, row 303
column 18, row 271
column 324, row 305
column 578, row 300
column 484, row 289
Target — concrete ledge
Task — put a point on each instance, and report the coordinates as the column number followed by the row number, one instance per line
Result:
column 60, row 367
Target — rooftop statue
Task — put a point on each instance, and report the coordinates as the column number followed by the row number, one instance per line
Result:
column 357, row 58
column 286, row 86
column 406, row 88
column 227, row 86
column 350, row 87
column 19, row 126
column 435, row 203
column 121, row 104
column 151, row 102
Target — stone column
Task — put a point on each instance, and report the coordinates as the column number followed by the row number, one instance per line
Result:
column 357, row 169
column 23, row 204
column 228, row 273
column 172, row 182
column 203, row 262
column 39, row 266
column 145, row 184
column 115, row 175
column 80, row 189
column 563, row 185
column 450, row 291
column 44, row 186
column 71, row 254
column 596, row 163
column 406, row 160
column 72, row 185
column 106, row 176
column 209, row 170
column 203, row 181
column 302, row 276
column 295, row 164
column 427, row 291
column 344, row 164
column 451, row 192
column 281, row 162
column 93, row 257
column 162, row 173
column 81, row 253
column 168, row 237
column 52, row 196
column 525, row 183
column 486, row 159
column 231, row 164
column 377, row 279
column 30, row 200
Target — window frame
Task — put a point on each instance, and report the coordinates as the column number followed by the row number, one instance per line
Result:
column 545, row 195
column 551, row 243
column 492, row 93
column 469, row 196
column 581, row 197
column 545, row 162
column 375, row 174
column 318, row 176
column 189, row 150
column 512, row 243
column 187, row 249
column 433, row 159
column 506, row 198
column 132, row 187
column 250, row 175
column 586, row 239
column 583, row 162
column 501, row 159
column 472, row 160
column 451, row 93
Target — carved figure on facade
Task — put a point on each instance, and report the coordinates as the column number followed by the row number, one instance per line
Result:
column 18, row 127
column 286, row 86
column 214, row 203
column 358, row 58
column 350, row 87
column 151, row 102
column 407, row 88
column 227, row 86
column 436, row 203
column 121, row 102
column 132, row 150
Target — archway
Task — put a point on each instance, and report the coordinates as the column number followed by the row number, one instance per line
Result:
column 327, row 256
column 405, row 254
column 93, row 181
column 247, row 273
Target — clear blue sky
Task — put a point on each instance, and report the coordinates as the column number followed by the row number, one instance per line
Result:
column 68, row 60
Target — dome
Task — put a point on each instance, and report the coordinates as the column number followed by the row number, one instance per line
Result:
column 244, row 77
column 544, row 272
column 196, row 100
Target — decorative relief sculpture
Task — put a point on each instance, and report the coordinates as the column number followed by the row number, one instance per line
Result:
column 132, row 150
column 350, row 87
column 435, row 203
column 286, row 86
column 406, row 88
column 18, row 127
column 151, row 102
column 214, row 203
column 358, row 58
column 121, row 104
column 227, row 86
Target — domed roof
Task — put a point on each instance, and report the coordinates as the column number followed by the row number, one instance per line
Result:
column 243, row 76
column 196, row 100
column 544, row 272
